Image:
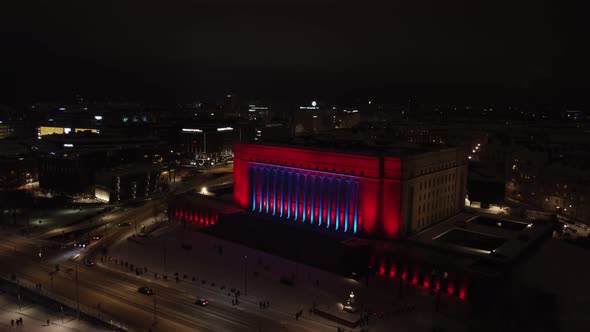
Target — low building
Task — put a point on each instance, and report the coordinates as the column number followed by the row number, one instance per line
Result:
column 70, row 163
column 128, row 182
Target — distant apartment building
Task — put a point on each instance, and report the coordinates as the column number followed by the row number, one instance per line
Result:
column 313, row 119
column 127, row 182
column 70, row 163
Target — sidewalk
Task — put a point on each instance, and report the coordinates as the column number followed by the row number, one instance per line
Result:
column 35, row 318
column 240, row 267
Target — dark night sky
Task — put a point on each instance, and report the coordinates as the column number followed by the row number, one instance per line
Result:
column 128, row 49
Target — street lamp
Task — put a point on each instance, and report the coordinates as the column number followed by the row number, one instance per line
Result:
column 245, row 275
column 155, row 319
column 77, row 293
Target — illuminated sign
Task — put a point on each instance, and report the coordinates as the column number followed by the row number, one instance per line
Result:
column 51, row 131
column 225, row 129
column 80, row 130
column 190, row 130
column 68, row 145
column 44, row 131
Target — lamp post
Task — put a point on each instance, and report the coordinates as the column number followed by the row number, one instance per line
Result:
column 77, row 293
column 20, row 307
column 164, row 248
column 155, row 319
column 245, row 275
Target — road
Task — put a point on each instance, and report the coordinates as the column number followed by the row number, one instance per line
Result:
column 118, row 297
column 114, row 292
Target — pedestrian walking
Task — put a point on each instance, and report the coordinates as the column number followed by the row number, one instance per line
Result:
column 12, row 322
column 48, row 322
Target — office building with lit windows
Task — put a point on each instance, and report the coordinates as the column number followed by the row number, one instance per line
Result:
column 391, row 194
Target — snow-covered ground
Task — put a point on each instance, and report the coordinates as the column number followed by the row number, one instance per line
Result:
column 257, row 275
column 35, row 318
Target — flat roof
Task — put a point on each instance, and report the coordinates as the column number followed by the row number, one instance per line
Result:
column 195, row 199
column 501, row 239
column 357, row 147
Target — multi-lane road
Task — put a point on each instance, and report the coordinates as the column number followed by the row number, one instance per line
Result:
column 117, row 296
column 114, row 294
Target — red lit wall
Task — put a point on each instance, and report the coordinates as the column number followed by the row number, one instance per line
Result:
column 378, row 181
column 194, row 214
column 369, row 205
column 241, row 182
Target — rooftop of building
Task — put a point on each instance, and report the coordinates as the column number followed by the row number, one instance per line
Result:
column 134, row 168
column 488, row 238
column 349, row 142
column 86, row 141
column 197, row 199
column 12, row 148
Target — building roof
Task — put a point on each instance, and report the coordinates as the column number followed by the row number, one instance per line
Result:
column 493, row 239
column 195, row 199
column 357, row 147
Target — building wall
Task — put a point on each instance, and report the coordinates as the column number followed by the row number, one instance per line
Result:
column 433, row 188
column 388, row 196
column 66, row 175
column 334, row 190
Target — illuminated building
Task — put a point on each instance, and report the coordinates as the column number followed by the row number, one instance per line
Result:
column 392, row 195
column 313, row 119
column 127, row 182
column 4, row 130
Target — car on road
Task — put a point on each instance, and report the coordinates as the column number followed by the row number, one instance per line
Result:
column 97, row 237
column 124, row 224
column 145, row 290
column 82, row 244
column 88, row 262
column 202, row 302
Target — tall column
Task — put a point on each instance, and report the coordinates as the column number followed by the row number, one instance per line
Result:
column 252, row 181
column 297, row 185
column 267, row 181
column 338, row 190
column 346, row 204
column 321, row 201
column 261, row 190
column 290, row 177
column 329, row 191
column 356, row 206
column 313, row 184
column 304, row 202
column 274, row 192
column 283, row 179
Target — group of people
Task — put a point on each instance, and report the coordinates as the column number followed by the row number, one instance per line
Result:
column 264, row 305
column 19, row 322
